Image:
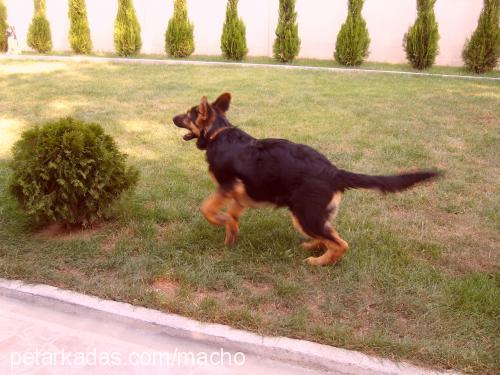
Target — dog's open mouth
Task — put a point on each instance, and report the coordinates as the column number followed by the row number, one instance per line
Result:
column 179, row 121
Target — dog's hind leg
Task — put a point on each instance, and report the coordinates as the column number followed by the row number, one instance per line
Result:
column 334, row 249
column 312, row 220
column 335, row 246
column 308, row 245
column 312, row 244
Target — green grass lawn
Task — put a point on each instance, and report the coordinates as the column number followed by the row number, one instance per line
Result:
column 421, row 279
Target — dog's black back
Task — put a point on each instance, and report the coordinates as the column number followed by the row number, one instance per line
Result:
column 270, row 169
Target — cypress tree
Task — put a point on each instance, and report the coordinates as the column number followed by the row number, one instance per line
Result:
column 353, row 40
column 287, row 43
column 3, row 27
column 79, row 32
column 179, row 39
column 233, row 40
column 482, row 50
column 39, row 36
column 421, row 40
column 127, row 30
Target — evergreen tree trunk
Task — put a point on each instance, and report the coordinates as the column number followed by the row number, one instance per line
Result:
column 127, row 30
column 79, row 32
column 482, row 51
column 287, row 43
column 421, row 40
column 179, row 38
column 233, row 40
column 39, row 36
column 3, row 27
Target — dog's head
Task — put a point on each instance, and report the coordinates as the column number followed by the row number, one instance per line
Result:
column 201, row 119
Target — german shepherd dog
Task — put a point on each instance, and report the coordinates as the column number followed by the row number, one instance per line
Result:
column 253, row 172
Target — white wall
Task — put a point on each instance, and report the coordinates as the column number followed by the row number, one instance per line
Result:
column 387, row 26
column 319, row 23
column 19, row 13
column 101, row 16
column 456, row 23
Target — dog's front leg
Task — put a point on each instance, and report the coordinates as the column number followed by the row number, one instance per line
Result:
column 211, row 209
column 212, row 206
column 234, row 210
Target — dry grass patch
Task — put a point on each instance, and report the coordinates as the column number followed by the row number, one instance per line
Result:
column 219, row 296
column 111, row 241
column 256, row 288
column 166, row 287
column 164, row 230
column 57, row 231
column 470, row 245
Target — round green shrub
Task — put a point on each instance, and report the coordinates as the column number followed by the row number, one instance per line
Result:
column 69, row 172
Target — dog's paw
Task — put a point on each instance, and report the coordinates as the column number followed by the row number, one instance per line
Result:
column 231, row 237
column 313, row 261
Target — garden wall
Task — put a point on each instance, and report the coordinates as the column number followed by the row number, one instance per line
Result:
column 319, row 22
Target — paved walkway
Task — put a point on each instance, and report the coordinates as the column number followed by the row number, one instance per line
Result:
column 53, row 339
column 47, row 330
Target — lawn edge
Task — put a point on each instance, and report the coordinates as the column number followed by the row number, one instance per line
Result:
column 301, row 352
column 81, row 58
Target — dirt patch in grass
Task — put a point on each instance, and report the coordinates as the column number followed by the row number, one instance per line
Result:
column 166, row 287
column 217, row 295
column 71, row 273
column 467, row 229
column 365, row 304
column 265, row 303
column 57, row 231
column 258, row 289
column 271, row 310
column 164, row 230
column 469, row 245
column 110, row 242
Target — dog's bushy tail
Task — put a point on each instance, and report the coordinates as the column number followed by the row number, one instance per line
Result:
column 386, row 184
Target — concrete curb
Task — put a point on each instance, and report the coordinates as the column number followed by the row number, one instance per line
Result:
column 300, row 352
column 221, row 63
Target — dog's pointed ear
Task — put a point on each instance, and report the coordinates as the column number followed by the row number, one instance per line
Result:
column 222, row 102
column 203, row 108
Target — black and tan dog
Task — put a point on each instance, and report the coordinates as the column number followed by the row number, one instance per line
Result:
column 253, row 172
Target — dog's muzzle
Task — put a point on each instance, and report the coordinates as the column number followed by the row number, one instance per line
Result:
column 179, row 122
